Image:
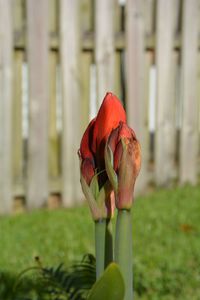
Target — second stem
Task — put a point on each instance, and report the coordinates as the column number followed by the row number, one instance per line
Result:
column 123, row 249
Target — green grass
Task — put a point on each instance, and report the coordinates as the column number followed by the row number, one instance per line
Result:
column 166, row 235
column 55, row 236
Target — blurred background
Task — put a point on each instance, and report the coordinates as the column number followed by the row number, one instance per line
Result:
column 57, row 61
column 58, row 58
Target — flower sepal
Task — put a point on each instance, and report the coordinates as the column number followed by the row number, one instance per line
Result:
column 109, row 164
column 97, row 198
column 122, row 161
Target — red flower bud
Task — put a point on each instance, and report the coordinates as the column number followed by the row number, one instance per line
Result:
column 123, row 160
column 110, row 114
column 92, row 146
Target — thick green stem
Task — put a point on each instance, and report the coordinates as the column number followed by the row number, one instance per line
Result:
column 108, row 243
column 100, row 232
column 123, row 249
column 103, row 245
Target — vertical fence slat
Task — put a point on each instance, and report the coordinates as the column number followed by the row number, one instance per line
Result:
column 86, row 19
column 19, row 20
column 70, row 76
column 86, row 15
column 119, row 55
column 86, row 60
column 17, row 140
column 165, row 113
column 6, row 45
column 189, row 133
column 117, row 83
column 149, row 7
column 38, row 67
column 53, row 17
column 18, row 180
column 104, row 47
column 137, row 110
column 54, row 139
column 146, row 156
column 53, row 135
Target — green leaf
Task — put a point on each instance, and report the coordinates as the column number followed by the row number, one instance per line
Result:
column 103, row 193
column 109, row 167
column 97, row 206
column 94, row 186
column 110, row 285
column 95, row 210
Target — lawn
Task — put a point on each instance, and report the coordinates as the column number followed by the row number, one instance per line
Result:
column 166, row 234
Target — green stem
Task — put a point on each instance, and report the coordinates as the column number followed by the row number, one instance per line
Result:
column 108, row 243
column 123, row 249
column 100, row 231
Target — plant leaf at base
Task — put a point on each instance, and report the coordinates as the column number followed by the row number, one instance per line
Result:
column 110, row 285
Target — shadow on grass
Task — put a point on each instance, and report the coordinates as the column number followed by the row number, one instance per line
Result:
column 55, row 283
column 28, row 287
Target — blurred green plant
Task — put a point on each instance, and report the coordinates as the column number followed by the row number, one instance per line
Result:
column 51, row 283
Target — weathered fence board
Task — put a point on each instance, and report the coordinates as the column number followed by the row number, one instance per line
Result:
column 71, row 84
column 53, row 134
column 117, row 89
column 104, row 47
column 165, row 114
column 18, row 14
column 6, row 86
column 86, row 60
column 17, row 138
column 189, row 133
column 87, row 25
column 73, row 52
column 37, row 38
column 87, row 16
column 149, row 16
column 53, row 17
column 137, row 111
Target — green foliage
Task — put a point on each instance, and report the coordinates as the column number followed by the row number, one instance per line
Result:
column 30, row 287
column 54, row 283
column 110, row 286
column 72, row 283
column 166, row 243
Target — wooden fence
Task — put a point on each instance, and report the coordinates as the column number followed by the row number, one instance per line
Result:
column 59, row 58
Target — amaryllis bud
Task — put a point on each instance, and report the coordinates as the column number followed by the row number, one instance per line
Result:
column 123, row 161
column 94, row 180
column 110, row 114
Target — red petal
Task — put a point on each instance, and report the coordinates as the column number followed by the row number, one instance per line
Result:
column 126, row 132
column 113, row 138
column 110, row 114
column 114, row 141
column 87, row 170
column 86, row 142
column 117, row 156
